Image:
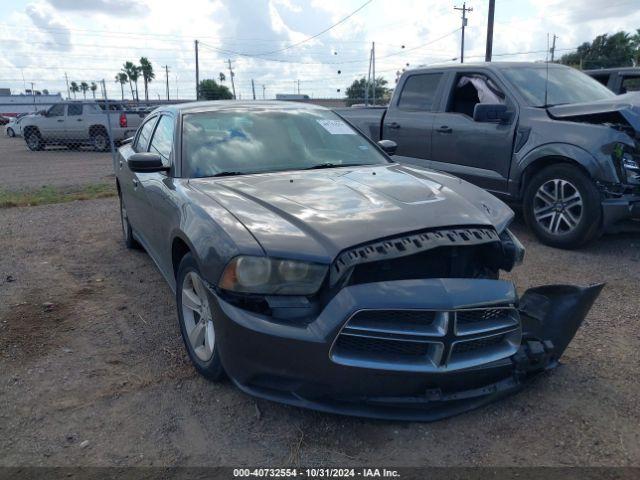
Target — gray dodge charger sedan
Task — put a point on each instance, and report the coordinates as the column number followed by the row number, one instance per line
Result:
column 312, row 269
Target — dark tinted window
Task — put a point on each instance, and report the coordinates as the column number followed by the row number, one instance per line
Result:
column 145, row 133
column 419, row 91
column 630, row 84
column 603, row 79
column 163, row 137
column 56, row 111
column 74, row 109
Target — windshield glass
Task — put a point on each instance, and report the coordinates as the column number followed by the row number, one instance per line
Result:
column 566, row 85
column 257, row 140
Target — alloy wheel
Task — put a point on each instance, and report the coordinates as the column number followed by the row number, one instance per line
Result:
column 558, row 206
column 197, row 317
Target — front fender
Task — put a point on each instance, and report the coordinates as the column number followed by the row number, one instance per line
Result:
column 597, row 168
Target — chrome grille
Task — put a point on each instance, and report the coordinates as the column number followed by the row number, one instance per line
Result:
column 427, row 340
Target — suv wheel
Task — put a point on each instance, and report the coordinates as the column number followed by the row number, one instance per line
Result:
column 197, row 323
column 100, row 141
column 562, row 207
column 127, row 233
column 10, row 132
column 34, row 140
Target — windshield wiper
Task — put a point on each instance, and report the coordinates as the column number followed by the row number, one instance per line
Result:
column 332, row 165
column 227, row 174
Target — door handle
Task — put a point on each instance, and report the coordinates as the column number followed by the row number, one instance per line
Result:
column 135, row 183
column 394, row 125
column 61, row 120
column 78, row 119
column 444, row 129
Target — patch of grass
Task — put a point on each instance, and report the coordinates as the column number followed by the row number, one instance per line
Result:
column 49, row 194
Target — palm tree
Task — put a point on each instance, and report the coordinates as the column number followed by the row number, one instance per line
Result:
column 133, row 73
column 93, row 89
column 122, row 78
column 74, row 89
column 147, row 74
column 84, row 86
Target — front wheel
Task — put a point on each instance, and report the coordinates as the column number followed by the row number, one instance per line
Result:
column 562, row 206
column 34, row 141
column 197, row 323
column 127, row 233
column 100, row 141
column 10, row 132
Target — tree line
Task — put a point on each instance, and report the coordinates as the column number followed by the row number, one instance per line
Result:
column 621, row 49
column 131, row 73
column 84, row 87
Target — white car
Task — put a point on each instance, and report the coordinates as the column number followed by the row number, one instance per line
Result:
column 14, row 127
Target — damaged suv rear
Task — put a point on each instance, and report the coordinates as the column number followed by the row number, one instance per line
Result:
column 315, row 271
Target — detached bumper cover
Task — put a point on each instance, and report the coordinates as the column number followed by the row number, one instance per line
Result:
column 423, row 371
column 615, row 210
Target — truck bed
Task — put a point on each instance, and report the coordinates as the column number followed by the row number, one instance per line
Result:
column 366, row 119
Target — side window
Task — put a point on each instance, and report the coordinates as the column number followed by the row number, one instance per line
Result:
column 74, row 109
column 471, row 89
column 142, row 142
column 162, row 140
column 56, row 111
column 419, row 92
column 630, row 84
column 603, row 79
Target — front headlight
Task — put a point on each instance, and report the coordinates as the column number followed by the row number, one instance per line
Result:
column 631, row 167
column 513, row 250
column 272, row 276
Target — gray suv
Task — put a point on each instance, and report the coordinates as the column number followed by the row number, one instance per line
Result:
column 551, row 139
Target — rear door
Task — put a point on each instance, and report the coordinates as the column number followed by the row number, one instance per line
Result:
column 478, row 152
column 409, row 120
column 130, row 183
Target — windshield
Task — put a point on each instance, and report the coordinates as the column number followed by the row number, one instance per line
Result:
column 566, row 85
column 257, row 140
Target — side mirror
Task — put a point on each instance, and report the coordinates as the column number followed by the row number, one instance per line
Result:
column 490, row 113
column 146, row 162
column 389, row 146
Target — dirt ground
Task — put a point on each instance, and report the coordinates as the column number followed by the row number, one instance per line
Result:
column 23, row 169
column 93, row 371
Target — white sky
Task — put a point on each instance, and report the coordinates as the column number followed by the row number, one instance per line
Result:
column 91, row 39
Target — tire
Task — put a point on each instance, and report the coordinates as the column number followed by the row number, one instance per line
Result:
column 127, row 232
column 203, row 351
column 34, row 140
column 100, row 141
column 562, row 206
column 10, row 132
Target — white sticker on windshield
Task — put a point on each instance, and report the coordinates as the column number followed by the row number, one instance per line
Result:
column 336, row 127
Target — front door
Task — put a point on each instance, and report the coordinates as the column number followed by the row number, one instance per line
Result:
column 52, row 123
column 478, row 152
column 74, row 124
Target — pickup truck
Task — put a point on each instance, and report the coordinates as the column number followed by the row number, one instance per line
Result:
column 618, row 80
column 77, row 123
column 544, row 136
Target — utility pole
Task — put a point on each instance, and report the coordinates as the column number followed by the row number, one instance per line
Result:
column 489, row 50
column 553, row 47
column 66, row 79
column 231, row 74
column 368, row 82
column 264, row 88
column 464, row 11
column 373, row 66
column 166, row 73
column 197, row 73
column 298, row 87
column 253, row 89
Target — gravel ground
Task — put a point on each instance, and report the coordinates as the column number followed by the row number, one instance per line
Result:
column 23, row 169
column 98, row 376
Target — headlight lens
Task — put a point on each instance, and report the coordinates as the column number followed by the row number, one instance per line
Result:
column 631, row 167
column 513, row 250
column 272, row 276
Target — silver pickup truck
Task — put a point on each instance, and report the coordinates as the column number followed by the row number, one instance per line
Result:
column 77, row 123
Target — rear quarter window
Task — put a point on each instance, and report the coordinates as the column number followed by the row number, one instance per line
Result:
column 419, row 92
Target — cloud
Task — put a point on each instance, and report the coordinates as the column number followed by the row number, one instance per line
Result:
column 108, row 7
column 56, row 33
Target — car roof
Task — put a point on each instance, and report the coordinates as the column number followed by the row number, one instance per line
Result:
column 215, row 105
column 489, row 65
column 614, row 70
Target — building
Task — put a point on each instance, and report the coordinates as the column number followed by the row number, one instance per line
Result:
column 12, row 105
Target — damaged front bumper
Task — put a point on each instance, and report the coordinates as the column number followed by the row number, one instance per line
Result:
column 406, row 350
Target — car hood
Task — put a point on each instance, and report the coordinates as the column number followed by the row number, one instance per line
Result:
column 624, row 109
column 314, row 215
